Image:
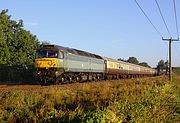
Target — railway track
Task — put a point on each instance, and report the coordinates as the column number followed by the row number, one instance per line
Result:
column 63, row 87
column 19, row 87
column 72, row 86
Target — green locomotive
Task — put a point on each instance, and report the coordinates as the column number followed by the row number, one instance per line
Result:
column 57, row 64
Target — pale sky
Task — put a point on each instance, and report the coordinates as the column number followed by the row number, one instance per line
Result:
column 111, row 28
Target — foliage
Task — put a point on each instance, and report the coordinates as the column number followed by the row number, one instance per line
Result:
column 133, row 60
column 162, row 64
column 44, row 43
column 17, row 46
column 137, row 100
column 122, row 60
column 16, row 75
column 144, row 64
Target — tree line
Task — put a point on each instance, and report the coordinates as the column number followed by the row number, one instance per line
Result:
column 161, row 64
column 134, row 60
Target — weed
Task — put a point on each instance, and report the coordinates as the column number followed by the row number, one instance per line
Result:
column 137, row 100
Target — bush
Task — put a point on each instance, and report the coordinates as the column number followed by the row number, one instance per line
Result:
column 16, row 75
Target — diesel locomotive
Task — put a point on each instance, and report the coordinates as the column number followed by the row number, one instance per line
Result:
column 57, row 64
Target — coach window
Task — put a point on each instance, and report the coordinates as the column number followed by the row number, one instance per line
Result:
column 117, row 66
column 61, row 55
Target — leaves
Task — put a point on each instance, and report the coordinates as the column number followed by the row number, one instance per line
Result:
column 133, row 60
column 17, row 46
column 144, row 64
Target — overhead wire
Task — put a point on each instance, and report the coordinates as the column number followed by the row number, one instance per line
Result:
column 162, row 17
column 175, row 13
column 148, row 18
column 177, row 31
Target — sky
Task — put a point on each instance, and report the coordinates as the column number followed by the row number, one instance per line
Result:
column 110, row 28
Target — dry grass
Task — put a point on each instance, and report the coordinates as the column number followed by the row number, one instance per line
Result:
column 128, row 100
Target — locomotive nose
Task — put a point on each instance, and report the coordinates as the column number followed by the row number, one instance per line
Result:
column 46, row 63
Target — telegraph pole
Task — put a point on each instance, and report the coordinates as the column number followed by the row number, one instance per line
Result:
column 170, row 55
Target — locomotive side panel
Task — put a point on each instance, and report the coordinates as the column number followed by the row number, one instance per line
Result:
column 77, row 63
column 97, row 65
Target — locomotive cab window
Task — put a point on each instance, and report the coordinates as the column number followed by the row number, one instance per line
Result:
column 52, row 54
column 41, row 54
column 46, row 54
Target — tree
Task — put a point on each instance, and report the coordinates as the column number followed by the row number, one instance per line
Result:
column 17, row 46
column 44, row 43
column 144, row 64
column 166, row 64
column 121, row 60
column 4, row 50
column 133, row 60
column 161, row 64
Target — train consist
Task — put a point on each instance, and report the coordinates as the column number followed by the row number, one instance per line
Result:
column 57, row 64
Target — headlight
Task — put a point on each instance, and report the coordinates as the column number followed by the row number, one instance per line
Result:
column 56, row 73
column 39, row 72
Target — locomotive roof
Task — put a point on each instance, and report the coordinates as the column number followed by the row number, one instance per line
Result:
column 71, row 50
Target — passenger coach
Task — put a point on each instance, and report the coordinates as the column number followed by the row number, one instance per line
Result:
column 118, row 69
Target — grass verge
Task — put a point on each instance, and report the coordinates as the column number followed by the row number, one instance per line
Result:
column 138, row 100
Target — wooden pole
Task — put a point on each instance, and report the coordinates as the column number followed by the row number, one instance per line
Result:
column 170, row 56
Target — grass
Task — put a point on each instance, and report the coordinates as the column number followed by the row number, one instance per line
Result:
column 138, row 100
